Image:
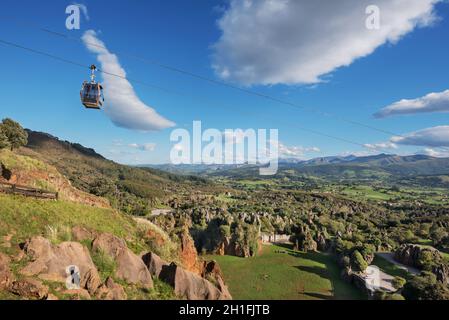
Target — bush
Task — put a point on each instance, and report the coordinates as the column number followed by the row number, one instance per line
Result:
column 425, row 287
column 398, row 283
column 358, row 262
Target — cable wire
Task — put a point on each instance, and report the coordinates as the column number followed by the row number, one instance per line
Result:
column 75, row 63
column 207, row 79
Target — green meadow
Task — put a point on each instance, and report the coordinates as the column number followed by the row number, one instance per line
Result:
column 281, row 273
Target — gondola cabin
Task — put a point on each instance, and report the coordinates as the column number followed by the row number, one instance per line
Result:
column 91, row 93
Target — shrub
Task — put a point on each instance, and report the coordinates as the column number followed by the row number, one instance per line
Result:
column 358, row 262
column 398, row 283
column 425, row 287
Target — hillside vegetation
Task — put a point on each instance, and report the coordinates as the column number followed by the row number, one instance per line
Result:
column 130, row 189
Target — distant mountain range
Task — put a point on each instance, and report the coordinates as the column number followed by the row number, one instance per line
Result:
column 72, row 158
column 375, row 167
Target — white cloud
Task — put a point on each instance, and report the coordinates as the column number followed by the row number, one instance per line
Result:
column 295, row 151
column 83, row 8
column 430, row 137
column 300, row 41
column 435, row 153
column 143, row 147
column 122, row 105
column 381, row 145
column 433, row 102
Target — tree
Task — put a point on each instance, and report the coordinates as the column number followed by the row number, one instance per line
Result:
column 15, row 134
column 4, row 142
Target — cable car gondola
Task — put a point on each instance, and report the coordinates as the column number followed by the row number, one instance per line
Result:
column 92, row 92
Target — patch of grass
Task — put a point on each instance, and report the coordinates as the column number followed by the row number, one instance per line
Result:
column 287, row 275
column 160, row 291
column 391, row 268
column 105, row 264
column 26, row 217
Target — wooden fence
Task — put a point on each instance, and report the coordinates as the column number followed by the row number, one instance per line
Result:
column 11, row 188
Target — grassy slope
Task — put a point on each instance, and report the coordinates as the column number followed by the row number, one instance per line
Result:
column 290, row 275
column 25, row 217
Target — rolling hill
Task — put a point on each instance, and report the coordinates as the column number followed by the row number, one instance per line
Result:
column 383, row 167
column 131, row 189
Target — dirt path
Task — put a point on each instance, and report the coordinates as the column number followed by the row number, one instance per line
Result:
column 377, row 279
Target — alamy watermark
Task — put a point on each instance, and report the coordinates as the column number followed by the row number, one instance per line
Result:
column 73, row 20
column 372, row 22
column 231, row 146
column 73, row 280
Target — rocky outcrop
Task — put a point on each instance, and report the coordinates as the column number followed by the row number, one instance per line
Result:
column 111, row 291
column 228, row 246
column 80, row 233
column 322, row 243
column 6, row 276
column 211, row 268
column 189, row 285
column 442, row 272
column 77, row 294
column 303, row 240
column 154, row 263
column 305, row 244
column 130, row 267
column 188, row 254
column 412, row 255
column 50, row 262
column 418, row 256
column 212, row 272
column 29, row 288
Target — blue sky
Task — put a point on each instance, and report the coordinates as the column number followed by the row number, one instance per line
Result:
column 296, row 60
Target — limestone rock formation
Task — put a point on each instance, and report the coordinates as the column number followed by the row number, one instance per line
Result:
column 154, row 263
column 50, row 262
column 189, row 285
column 6, row 277
column 188, row 253
column 212, row 272
column 130, row 267
column 412, row 255
column 29, row 288
column 111, row 291
column 80, row 233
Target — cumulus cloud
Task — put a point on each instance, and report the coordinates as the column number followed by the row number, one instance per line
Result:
column 143, row 147
column 300, row 41
column 433, row 102
column 430, row 137
column 122, row 106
